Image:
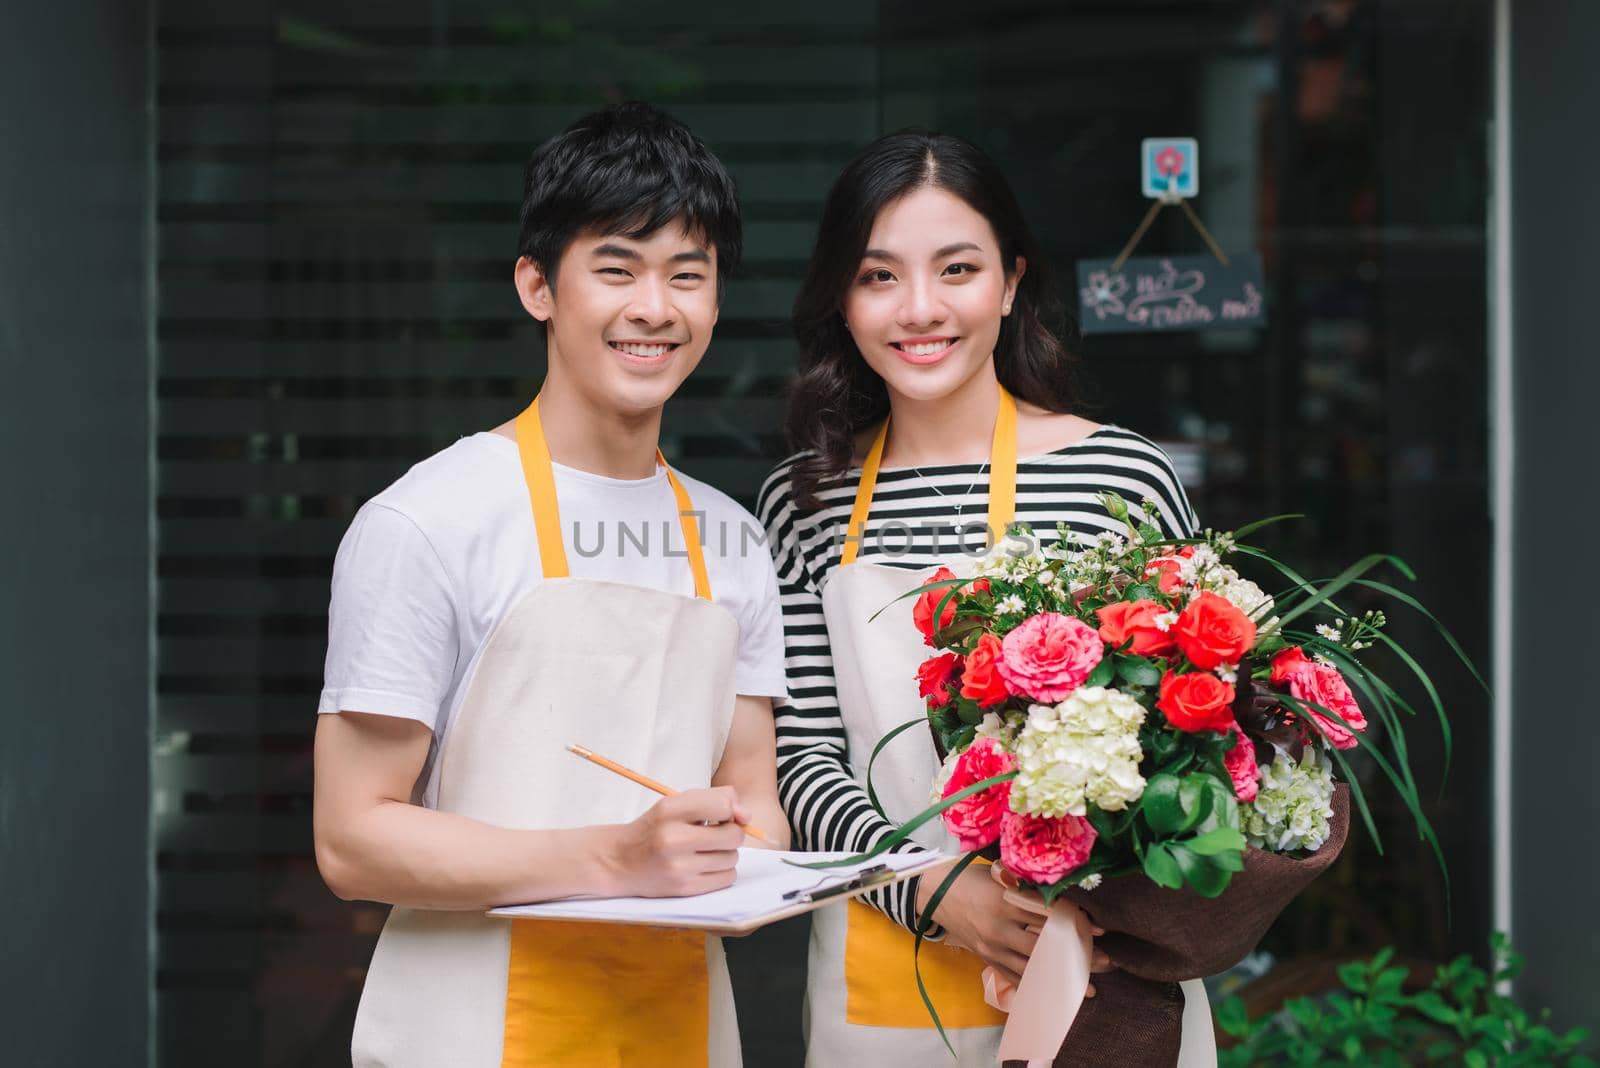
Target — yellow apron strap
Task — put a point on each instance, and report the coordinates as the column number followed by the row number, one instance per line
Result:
column 691, row 532
column 541, row 491
column 1003, row 467
column 541, row 481
column 856, row 532
column 1002, row 479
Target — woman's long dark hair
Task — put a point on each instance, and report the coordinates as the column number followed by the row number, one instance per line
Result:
column 837, row 394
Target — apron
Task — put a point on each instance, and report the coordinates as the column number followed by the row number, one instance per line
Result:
column 862, row 1004
column 644, row 676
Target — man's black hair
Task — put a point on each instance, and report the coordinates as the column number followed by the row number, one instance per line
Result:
column 627, row 170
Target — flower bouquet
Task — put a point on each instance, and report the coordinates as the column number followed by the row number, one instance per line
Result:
column 1131, row 711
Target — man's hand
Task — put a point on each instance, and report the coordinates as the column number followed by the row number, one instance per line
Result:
column 685, row 844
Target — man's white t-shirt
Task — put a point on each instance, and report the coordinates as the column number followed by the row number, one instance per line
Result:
column 431, row 564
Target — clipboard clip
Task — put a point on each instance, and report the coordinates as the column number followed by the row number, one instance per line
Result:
column 877, row 873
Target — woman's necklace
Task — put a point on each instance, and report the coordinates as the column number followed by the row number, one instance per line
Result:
column 962, row 502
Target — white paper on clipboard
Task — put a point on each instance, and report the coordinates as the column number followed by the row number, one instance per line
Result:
column 755, row 899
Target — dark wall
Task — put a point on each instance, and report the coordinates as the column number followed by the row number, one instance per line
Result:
column 1555, row 265
column 74, row 548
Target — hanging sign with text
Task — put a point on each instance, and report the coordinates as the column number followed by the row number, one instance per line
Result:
column 1164, row 294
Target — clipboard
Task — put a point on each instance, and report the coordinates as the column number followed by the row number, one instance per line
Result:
column 767, row 889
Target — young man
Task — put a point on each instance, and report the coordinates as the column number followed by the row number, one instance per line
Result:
column 546, row 583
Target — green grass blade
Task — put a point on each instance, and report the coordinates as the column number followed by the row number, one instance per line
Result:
column 872, row 795
column 1343, row 579
column 924, row 922
column 1250, row 528
column 1444, row 632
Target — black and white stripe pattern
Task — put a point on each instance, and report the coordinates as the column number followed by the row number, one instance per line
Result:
column 827, row 807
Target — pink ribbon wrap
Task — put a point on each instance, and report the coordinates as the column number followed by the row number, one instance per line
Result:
column 1043, row 1005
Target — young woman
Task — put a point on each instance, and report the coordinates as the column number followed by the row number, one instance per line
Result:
column 934, row 401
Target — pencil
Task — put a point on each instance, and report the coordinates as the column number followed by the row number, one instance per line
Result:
column 649, row 784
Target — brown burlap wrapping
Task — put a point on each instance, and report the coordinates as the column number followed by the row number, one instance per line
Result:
column 1157, row 937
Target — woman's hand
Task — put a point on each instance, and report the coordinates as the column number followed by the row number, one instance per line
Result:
column 977, row 917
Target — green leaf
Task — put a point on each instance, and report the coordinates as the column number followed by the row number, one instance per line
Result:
column 1233, row 1017
column 1144, row 591
column 1161, row 867
column 1353, row 974
column 1205, row 877
column 1213, row 842
column 1102, row 672
column 1475, row 1059
column 1162, row 809
column 1137, row 671
column 1194, row 793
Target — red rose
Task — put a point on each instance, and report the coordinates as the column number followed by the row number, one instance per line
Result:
column 982, row 683
column 1197, row 701
column 1213, row 631
column 1286, row 663
column 934, row 678
column 1136, row 620
column 922, row 611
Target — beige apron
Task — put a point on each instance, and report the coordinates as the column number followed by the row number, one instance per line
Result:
column 862, row 1003
column 643, row 676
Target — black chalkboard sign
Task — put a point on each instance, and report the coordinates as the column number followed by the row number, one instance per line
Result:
column 1163, row 294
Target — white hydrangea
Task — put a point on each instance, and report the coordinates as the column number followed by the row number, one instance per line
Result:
column 1085, row 749
column 1001, row 729
column 1293, row 804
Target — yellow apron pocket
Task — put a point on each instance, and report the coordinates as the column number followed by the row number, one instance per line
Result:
column 600, row 995
column 881, row 987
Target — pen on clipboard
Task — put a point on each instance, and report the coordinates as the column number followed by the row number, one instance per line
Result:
column 649, row 784
column 878, row 873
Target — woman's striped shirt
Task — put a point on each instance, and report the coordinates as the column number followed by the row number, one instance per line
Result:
column 914, row 524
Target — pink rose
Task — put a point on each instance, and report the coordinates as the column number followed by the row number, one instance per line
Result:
column 1317, row 683
column 1049, row 656
column 975, row 820
column 1241, row 763
column 1041, row 849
